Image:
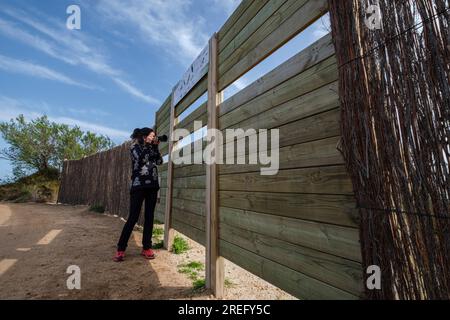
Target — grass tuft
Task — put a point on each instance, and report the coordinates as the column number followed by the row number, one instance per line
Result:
column 180, row 245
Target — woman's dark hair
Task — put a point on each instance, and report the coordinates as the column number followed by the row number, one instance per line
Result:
column 139, row 134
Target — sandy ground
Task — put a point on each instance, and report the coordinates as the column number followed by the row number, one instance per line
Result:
column 40, row 241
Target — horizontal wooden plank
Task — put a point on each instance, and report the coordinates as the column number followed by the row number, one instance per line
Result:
column 163, row 192
column 189, row 231
column 315, row 77
column 309, row 105
column 191, row 150
column 291, row 281
column 311, row 154
column 189, row 171
column 189, row 219
column 163, row 167
column 163, row 130
column 200, row 88
column 336, row 240
column 194, row 182
column 164, row 118
column 163, row 174
column 163, row 113
column 241, row 23
column 318, row 127
column 193, row 194
column 334, row 209
column 166, row 103
column 199, row 114
column 336, row 271
column 322, row 180
column 161, row 201
column 163, row 127
column 267, row 21
column 159, row 216
column 296, row 23
column 164, row 150
column 235, row 16
column 321, row 126
column 194, row 207
column 264, row 17
column 312, row 55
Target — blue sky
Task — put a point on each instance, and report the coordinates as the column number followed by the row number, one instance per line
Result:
column 113, row 74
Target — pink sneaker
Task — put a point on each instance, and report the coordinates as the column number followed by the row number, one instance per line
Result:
column 148, row 254
column 120, row 256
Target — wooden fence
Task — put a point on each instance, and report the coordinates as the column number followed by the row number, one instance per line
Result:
column 297, row 229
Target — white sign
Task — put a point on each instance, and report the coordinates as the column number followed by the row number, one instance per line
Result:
column 193, row 75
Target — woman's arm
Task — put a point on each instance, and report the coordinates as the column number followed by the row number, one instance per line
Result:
column 159, row 160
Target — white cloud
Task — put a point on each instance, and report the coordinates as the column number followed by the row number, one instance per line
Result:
column 10, row 108
column 134, row 91
column 27, row 68
column 93, row 127
column 74, row 48
column 11, row 30
column 167, row 24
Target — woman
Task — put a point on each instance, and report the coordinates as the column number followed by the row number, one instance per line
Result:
column 145, row 157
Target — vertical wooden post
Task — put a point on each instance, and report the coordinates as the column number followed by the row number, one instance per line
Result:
column 214, row 262
column 168, row 230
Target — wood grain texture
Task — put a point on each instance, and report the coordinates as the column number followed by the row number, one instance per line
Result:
column 312, row 55
column 191, row 232
column 337, row 240
column 293, row 282
column 333, row 209
column 199, row 89
column 315, row 77
column 333, row 270
column 321, row 180
column 297, row 22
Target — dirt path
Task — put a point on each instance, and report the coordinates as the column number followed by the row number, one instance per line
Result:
column 40, row 241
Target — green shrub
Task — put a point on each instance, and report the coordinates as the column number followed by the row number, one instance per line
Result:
column 228, row 283
column 191, row 269
column 179, row 245
column 43, row 193
column 97, row 208
column 22, row 196
column 158, row 231
column 195, row 265
column 199, row 284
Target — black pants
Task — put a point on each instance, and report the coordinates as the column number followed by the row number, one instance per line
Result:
column 136, row 199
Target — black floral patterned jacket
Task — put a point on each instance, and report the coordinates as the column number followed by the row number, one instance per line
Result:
column 144, row 159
